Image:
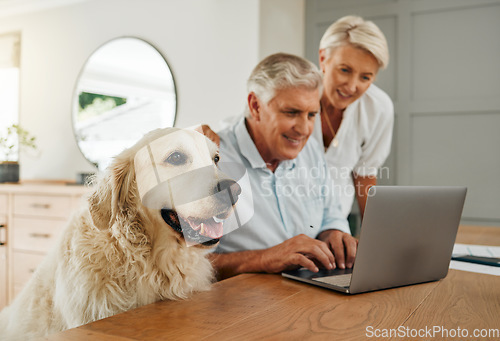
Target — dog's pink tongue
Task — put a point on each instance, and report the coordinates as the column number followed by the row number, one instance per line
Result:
column 209, row 228
column 212, row 229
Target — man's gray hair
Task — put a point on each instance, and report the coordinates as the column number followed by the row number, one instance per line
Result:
column 280, row 71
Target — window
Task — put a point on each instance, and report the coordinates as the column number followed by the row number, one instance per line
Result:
column 9, row 82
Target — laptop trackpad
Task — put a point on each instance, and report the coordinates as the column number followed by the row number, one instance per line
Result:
column 339, row 280
column 325, row 276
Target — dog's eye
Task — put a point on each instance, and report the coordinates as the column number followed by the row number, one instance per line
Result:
column 216, row 159
column 176, row 159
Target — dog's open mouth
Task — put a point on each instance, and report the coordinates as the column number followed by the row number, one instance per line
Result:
column 195, row 231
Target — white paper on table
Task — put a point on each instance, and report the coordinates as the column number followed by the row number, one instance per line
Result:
column 476, row 250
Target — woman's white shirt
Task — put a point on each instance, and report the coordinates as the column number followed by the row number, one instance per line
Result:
column 363, row 142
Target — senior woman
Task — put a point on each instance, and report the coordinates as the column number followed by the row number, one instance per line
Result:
column 356, row 116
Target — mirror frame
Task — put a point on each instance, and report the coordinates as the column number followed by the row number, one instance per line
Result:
column 75, row 96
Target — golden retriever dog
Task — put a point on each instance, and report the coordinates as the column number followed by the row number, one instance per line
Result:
column 133, row 242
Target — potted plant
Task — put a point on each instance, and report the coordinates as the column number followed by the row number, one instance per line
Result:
column 11, row 141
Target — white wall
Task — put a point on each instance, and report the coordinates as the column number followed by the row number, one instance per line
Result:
column 211, row 46
column 282, row 27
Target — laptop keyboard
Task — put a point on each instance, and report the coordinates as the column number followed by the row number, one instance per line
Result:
column 338, row 280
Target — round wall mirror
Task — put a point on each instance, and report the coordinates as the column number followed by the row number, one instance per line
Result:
column 124, row 90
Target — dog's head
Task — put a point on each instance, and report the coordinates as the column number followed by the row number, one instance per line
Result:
column 171, row 174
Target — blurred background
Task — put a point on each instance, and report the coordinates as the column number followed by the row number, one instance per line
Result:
column 443, row 76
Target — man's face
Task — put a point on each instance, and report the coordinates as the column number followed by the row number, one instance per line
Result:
column 280, row 128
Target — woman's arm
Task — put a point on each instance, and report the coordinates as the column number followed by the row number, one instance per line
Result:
column 362, row 184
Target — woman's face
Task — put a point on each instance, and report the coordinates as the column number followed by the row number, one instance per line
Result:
column 348, row 73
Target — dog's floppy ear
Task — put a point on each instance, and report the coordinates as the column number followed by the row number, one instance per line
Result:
column 100, row 204
column 124, row 187
column 114, row 193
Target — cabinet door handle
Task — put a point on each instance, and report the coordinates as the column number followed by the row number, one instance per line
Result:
column 2, row 234
column 40, row 235
column 38, row 205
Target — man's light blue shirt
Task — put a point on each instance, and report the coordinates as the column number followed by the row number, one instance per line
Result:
column 298, row 198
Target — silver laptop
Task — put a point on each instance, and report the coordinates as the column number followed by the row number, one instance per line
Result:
column 407, row 237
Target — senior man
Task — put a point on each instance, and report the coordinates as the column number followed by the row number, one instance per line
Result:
column 297, row 221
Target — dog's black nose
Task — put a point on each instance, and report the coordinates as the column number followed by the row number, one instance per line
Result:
column 231, row 187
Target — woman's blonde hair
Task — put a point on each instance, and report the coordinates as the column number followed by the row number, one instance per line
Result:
column 359, row 33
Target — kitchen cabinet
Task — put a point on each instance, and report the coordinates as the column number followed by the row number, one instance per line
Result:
column 33, row 216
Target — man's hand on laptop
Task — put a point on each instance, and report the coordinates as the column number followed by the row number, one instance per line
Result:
column 300, row 250
column 343, row 246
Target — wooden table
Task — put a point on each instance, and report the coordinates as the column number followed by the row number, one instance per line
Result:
column 259, row 306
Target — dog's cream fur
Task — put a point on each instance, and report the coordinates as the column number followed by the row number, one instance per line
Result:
column 114, row 255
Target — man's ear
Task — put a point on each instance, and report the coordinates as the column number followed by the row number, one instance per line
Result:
column 254, row 106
